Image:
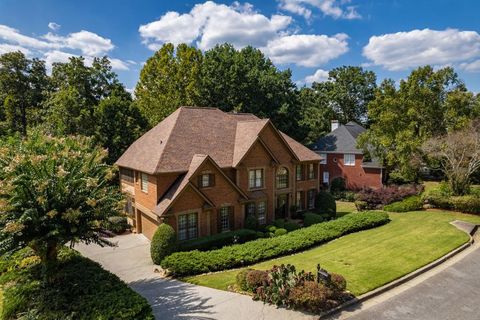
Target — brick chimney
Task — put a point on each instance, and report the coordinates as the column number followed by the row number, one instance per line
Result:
column 334, row 124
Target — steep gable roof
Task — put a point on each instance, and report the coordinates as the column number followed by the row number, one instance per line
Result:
column 341, row 140
column 183, row 181
column 170, row 145
column 303, row 153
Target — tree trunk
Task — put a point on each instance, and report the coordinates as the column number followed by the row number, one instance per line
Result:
column 48, row 253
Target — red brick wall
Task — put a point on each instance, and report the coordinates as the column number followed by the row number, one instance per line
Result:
column 356, row 176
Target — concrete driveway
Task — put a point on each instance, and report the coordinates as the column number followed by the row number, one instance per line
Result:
column 173, row 299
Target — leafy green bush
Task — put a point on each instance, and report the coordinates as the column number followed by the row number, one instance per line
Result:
column 255, row 279
column 79, row 289
column 441, row 198
column 361, row 205
column 241, row 279
column 251, row 222
column 467, row 204
column 218, row 240
column 163, row 243
column 279, row 223
column 313, row 218
column 337, row 283
column 196, row 262
column 348, row 196
column 291, row 226
column 325, row 203
column 117, row 225
column 280, row 232
column 412, row 203
column 338, row 185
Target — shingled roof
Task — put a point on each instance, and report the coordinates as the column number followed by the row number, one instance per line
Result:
column 341, row 140
column 225, row 137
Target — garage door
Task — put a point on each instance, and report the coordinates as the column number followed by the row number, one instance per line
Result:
column 148, row 226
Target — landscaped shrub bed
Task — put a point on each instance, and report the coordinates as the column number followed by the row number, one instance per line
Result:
column 313, row 218
column 218, row 240
column 80, row 289
column 196, row 262
column 370, row 199
column 411, row 203
column 284, row 286
column 442, row 198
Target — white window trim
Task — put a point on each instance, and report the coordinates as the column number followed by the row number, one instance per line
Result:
column 144, row 179
column 349, row 164
column 324, row 156
column 326, row 175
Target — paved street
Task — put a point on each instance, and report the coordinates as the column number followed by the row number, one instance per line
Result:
column 453, row 293
column 173, row 299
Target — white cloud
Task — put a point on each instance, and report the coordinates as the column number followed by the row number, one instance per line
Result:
column 319, row 76
column 51, row 47
column 88, row 42
column 210, row 23
column 53, row 26
column 403, row 50
column 473, row 66
column 330, row 8
column 306, row 50
column 5, row 48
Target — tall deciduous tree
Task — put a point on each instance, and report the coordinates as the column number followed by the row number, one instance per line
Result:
column 427, row 104
column 168, row 80
column 54, row 191
column 89, row 100
column 23, row 85
column 459, row 155
column 348, row 91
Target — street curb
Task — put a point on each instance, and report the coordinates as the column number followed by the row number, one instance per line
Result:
column 391, row 285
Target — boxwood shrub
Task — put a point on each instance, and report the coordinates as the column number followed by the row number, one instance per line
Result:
column 164, row 242
column 218, row 240
column 313, row 218
column 412, row 203
column 196, row 262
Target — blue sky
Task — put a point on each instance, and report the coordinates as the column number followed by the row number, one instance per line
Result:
column 308, row 36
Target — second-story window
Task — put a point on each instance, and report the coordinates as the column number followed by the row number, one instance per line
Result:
column 282, row 178
column 206, row 180
column 144, row 182
column 311, row 171
column 349, row 159
column 255, row 178
column 126, row 175
column 299, row 172
column 324, row 158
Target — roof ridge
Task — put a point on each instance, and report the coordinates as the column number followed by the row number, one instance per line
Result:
column 169, row 135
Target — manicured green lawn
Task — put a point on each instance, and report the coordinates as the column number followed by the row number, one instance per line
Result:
column 372, row 258
column 344, row 208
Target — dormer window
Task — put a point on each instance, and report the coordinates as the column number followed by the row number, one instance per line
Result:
column 206, row 180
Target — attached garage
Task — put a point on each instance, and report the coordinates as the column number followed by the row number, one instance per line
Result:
column 147, row 225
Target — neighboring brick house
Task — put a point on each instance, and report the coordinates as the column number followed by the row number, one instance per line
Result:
column 202, row 170
column 342, row 158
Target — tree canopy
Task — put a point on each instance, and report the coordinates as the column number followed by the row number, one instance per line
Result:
column 54, row 191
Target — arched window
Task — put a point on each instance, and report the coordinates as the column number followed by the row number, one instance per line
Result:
column 282, row 178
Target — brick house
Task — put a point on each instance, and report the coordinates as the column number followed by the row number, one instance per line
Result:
column 202, row 171
column 341, row 158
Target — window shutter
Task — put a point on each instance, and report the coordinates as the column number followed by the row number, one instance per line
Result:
column 199, row 178
column 232, row 218
column 212, row 179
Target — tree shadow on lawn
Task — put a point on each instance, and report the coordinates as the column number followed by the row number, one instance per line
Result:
column 172, row 299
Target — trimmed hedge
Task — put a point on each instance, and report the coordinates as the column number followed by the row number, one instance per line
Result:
column 412, row 203
column 196, row 262
column 466, row 204
column 218, row 240
column 164, row 242
column 313, row 218
column 79, row 289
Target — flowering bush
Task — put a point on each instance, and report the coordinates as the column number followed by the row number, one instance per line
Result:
column 284, row 286
column 368, row 199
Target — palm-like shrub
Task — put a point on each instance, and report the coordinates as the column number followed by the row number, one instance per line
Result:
column 54, row 191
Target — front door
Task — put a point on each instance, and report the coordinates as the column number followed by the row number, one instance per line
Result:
column 282, row 206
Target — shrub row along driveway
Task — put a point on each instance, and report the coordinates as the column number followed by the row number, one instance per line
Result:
column 173, row 299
